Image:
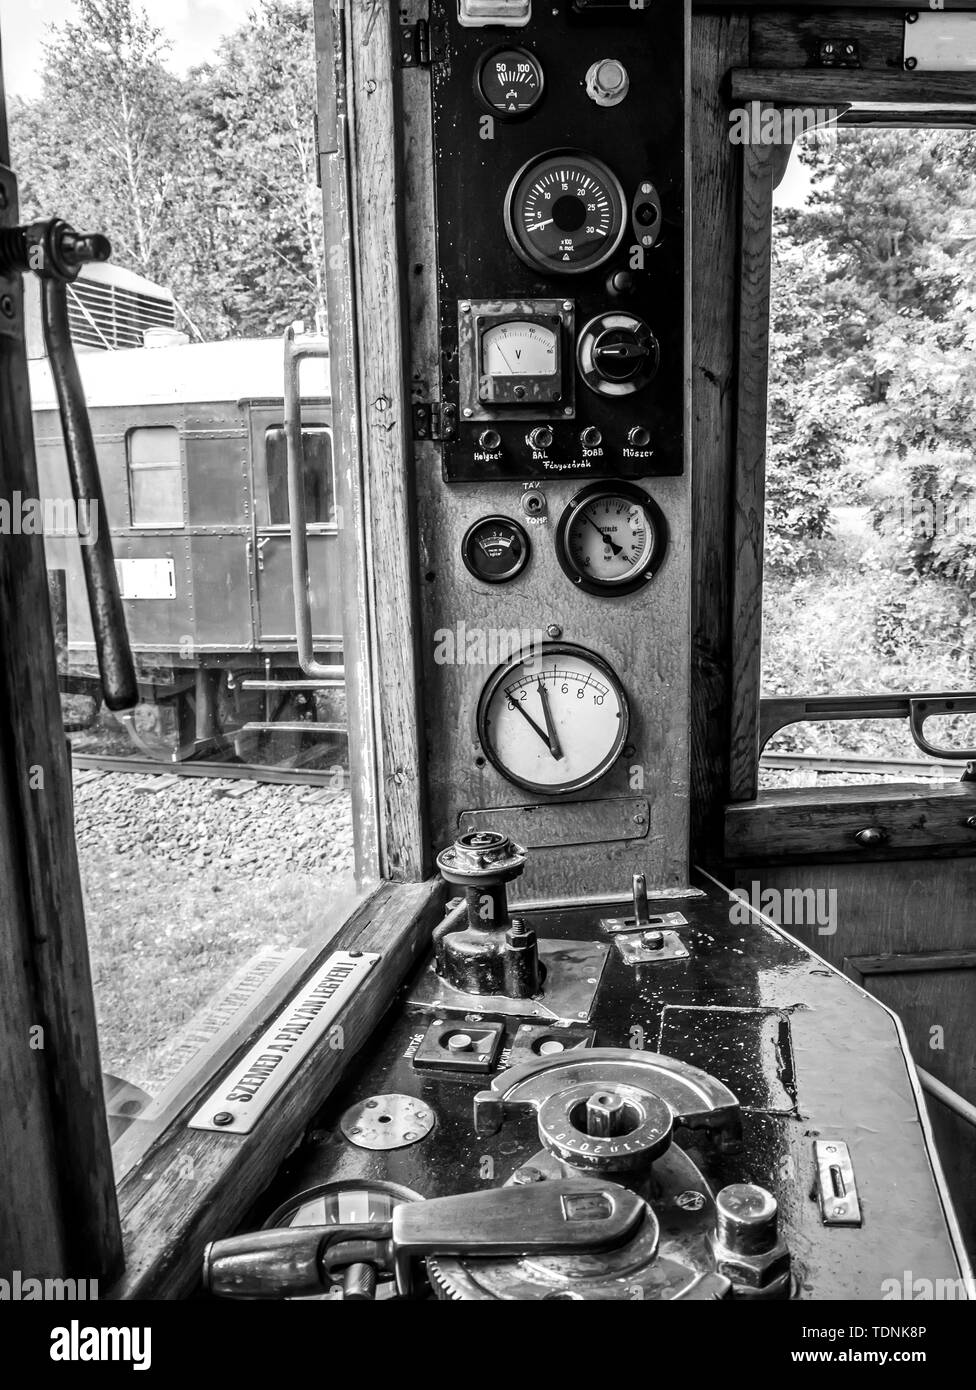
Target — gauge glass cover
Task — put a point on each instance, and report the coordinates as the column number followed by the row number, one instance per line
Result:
column 518, row 348
column 611, row 539
column 554, row 720
column 565, row 212
column 495, row 549
column 510, row 82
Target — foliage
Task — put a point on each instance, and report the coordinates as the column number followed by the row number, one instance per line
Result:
column 872, row 428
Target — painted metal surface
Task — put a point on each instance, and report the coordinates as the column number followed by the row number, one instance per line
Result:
column 842, row 1075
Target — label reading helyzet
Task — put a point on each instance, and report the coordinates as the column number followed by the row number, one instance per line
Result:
column 240, row 1099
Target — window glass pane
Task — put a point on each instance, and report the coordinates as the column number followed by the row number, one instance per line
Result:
column 319, row 489
column 201, row 890
column 155, row 477
column 870, row 563
column 157, row 497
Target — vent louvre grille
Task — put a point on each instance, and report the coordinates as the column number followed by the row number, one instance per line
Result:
column 105, row 316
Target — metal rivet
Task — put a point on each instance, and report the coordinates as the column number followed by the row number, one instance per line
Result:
column 223, row 1117
column 7, row 306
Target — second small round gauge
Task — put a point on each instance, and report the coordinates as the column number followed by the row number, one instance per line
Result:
column 611, row 539
column 495, row 549
column 510, row 82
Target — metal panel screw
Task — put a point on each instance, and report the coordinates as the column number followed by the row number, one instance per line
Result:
column 223, row 1117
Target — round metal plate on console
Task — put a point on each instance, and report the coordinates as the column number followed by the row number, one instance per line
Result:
column 387, row 1122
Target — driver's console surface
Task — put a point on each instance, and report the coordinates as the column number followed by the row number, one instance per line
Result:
column 662, row 1099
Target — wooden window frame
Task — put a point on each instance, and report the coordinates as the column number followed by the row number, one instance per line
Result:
column 777, row 824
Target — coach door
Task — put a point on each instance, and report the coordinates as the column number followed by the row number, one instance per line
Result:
column 272, row 574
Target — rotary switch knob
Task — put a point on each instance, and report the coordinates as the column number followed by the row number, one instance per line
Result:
column 617, row 354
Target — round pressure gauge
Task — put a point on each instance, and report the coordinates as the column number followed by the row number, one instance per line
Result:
column 495, row 549
column 553, row 719
column 565, row 212
column 510, row 81
column 611, row 539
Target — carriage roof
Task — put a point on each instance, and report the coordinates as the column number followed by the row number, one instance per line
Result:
column 184, row 374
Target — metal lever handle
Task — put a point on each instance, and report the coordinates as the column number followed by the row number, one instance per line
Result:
column 56, row 253
column 119, row 686
column 924, row 709
column 295, row 450
column 569, row 1216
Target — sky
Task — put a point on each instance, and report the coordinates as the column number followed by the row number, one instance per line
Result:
column 194, row 26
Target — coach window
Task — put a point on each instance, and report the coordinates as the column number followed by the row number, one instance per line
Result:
column 319, row 486
column 155, row 476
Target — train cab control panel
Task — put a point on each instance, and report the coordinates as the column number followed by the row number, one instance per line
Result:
column 559, row 183
column 641, row 1100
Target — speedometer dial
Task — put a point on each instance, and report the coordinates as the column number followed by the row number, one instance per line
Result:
column 565, row 212
column 554, row 720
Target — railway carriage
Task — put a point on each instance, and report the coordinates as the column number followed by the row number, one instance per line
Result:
column 191, row 447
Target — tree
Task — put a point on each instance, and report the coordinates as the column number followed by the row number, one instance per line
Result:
column 261, row 96
column 205, row 184
column 101, row 145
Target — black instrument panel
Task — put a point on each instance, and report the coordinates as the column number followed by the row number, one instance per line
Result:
column 560, row 185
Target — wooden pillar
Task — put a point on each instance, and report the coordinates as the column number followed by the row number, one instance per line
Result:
column 58, row 1212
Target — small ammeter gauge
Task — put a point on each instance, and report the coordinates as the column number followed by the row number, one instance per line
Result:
column 611, row 539
column 510, row 82
column 495, row 549
column 555, row 719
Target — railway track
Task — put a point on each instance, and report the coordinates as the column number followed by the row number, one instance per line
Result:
column 785, row 762
column 856, row 763
column 240, row 772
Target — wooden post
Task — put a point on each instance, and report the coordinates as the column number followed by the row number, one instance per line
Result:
column 58, row 1211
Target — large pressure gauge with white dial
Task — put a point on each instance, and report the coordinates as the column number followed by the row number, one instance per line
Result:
column 611, row 539
column 554, row 719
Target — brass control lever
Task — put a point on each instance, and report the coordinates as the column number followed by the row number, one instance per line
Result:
column 565, row 1217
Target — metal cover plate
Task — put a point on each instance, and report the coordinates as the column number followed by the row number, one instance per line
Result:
column 836, row 1188
column 242, row 1097
column 941, row 42
column 633, row 950
column 387, row 1122
column 657, row 921
column 573, row 971
column 570, row 823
